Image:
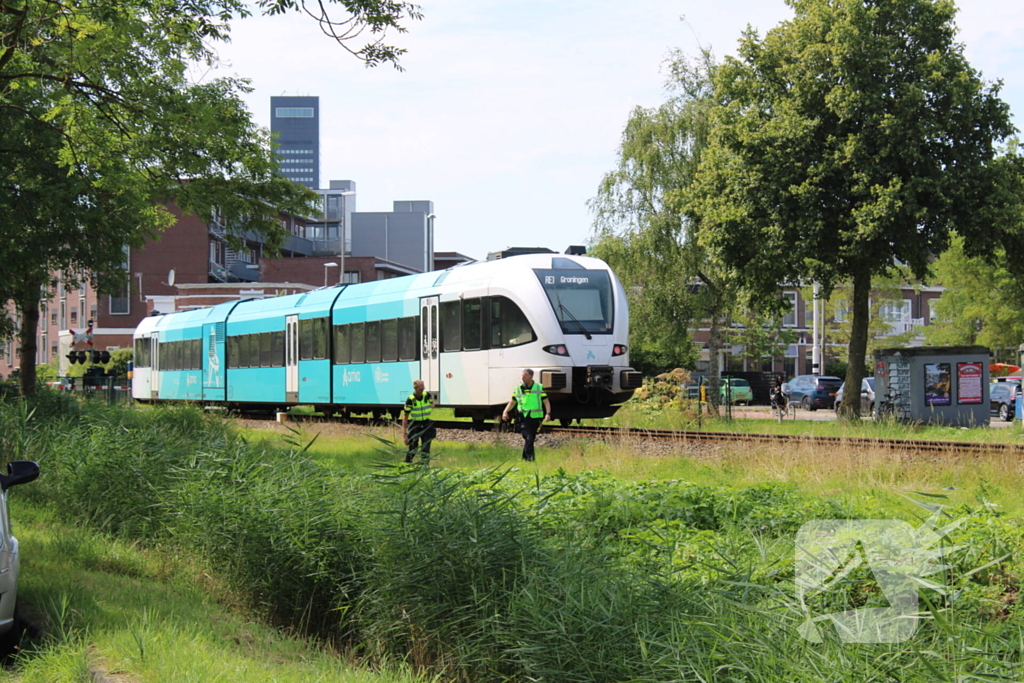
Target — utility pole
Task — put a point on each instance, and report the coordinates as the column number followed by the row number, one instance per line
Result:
column 816, row 333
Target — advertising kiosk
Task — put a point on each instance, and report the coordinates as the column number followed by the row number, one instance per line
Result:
column 933, row 384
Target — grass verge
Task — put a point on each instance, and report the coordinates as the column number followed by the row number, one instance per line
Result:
column 111, row 606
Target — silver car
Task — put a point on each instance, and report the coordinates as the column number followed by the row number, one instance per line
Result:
column 18, row 472
column 867, row 395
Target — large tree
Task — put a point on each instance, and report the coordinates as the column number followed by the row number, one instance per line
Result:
column 646, row 228
column 983, row 301
column 100, row 124
column 854, row 135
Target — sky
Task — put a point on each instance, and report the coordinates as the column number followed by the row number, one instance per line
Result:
column 509, row 112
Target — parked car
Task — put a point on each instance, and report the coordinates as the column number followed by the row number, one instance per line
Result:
column 811, row 392
column 18, row 472
column 867, row 395
column 1002, row 399
column 736, row 390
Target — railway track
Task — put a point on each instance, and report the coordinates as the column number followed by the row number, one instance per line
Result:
column 688, row 436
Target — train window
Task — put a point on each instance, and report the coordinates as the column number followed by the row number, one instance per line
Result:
column 241, row 359
column 451, row 326
column 232, row 352
column 471, row 320
column 321, row 340
column 265, row 350
column 358, row 354
column 407, row 338
column 305, row 339
column 581, row 300
column 426, row 339
column 179, row 361
column 341, row 345
column 254, row 350
column 277, row 349
column 509, row 326
column 373, row 342
column 433, row 332
column 197, row 354
column 389, row 340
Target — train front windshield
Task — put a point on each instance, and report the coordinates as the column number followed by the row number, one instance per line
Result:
column 581, row 299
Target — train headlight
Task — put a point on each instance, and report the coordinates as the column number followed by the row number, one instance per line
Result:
column 619, row 349
column 557, row 349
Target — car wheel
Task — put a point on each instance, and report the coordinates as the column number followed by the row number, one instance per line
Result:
column 806, row 403
column 1004, row 413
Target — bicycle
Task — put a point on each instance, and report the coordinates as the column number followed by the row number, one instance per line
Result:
column 780, row 406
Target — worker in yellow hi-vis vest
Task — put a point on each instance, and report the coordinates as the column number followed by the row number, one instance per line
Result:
column 534, row 408
column 417, row 423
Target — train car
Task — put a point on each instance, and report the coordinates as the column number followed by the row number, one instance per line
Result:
column 467, row 332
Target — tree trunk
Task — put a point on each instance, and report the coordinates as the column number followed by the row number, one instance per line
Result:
column 850, row 408
column 27, row 305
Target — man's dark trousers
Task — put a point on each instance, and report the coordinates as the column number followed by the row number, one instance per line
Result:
column 529, row 426
column 420, row 435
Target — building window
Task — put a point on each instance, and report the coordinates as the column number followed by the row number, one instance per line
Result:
column 351, row 277
column 63, row 314
column 789, row 319
column 53, row 351
column 53, row 318
column 842, row 310
column 74, row 317
column 119, row 302
column 42, row 320
column 294, row 112
column 895, row 311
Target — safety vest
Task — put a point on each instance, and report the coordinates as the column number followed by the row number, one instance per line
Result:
column 419, row 410
column 530, row 402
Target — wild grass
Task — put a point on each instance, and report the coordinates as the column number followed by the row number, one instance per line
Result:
column 109, row 606
column 475, row 570
column 684, row 415
column 846, row 474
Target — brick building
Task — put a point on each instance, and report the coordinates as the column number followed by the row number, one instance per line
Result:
column 193, row 265
column 909, row 314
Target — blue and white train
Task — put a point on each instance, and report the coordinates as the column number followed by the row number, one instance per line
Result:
column 467, row 332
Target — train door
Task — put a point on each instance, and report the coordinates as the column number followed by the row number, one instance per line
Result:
column 154, row 365
column 430, row 367
column 291, row 359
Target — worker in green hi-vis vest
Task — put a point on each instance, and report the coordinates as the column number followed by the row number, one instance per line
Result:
column 534, row 408
column 417, row 422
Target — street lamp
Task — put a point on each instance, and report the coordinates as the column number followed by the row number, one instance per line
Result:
column 332, row 264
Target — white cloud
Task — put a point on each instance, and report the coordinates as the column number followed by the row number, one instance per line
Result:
column 510, row 111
